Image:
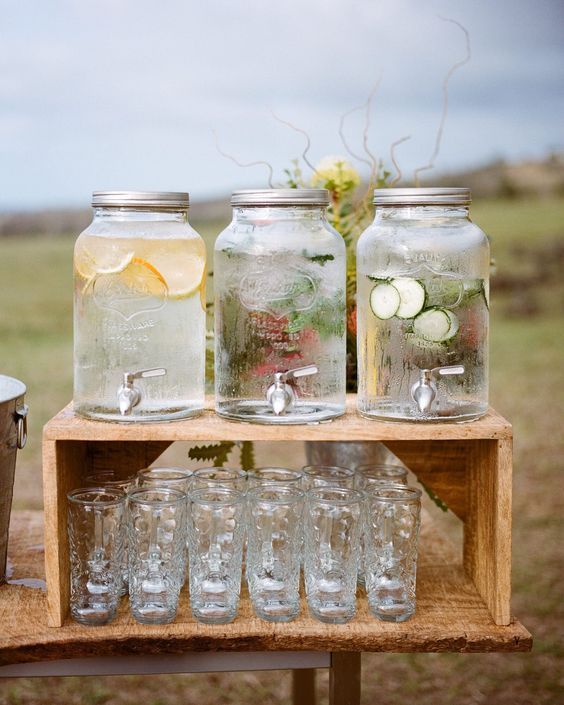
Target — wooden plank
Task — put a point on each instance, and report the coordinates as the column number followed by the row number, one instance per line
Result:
column 303, row 687
column 63, row 464
column 441, row 466
column 487, row 531
column 123, row 457
column 344, row 679
column 451, row 616
column 210, row 427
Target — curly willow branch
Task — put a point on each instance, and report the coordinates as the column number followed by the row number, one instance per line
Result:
column 457, row 65
column 259, row 162
column 372, row 162
column 371, row 157
column 393, row 158
column 302, row 132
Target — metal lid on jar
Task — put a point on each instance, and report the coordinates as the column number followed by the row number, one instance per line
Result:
column 422, row 196
column 140, row 199
column 281, row 197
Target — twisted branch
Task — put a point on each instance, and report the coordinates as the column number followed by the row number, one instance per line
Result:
column 457, row 65
column 393, row 158
column 259, row 162
column 371, row 162
column 302, row 132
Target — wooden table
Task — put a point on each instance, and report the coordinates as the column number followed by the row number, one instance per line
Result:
column 450, row 617
column 463, row 593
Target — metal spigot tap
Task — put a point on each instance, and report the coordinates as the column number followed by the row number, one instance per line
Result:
column 129, row 395
column 281, row 395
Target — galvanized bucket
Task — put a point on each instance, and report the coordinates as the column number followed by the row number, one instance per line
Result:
column 13, row 435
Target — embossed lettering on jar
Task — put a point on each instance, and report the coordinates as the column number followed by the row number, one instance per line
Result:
column 279, row 279
column 139, row 309
column 423, row 299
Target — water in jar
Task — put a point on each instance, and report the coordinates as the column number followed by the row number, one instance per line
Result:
column 277, row 310
column 139, row 304
column 416, row 320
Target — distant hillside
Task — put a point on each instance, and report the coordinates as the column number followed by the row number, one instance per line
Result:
column 497, row 179
column 530, row 178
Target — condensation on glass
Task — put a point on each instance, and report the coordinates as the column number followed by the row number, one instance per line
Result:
column 423, row 300
column 279, row 280
column 139, row 309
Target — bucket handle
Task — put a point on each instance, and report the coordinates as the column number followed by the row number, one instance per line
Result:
column 21, row 416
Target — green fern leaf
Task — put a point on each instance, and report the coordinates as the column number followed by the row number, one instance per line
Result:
column 217, row 453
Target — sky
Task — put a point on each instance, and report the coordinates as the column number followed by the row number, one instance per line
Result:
column 144, row 95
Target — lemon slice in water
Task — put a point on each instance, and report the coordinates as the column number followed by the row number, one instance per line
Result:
column 183, row 271
column 94, row 256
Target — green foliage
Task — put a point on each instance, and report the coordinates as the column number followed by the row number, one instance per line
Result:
column 247, row 455
column 319, row 259
column 324, row 318
column 437, row 500
column 216, row 453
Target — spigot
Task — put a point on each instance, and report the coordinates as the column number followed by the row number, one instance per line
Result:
column 424, row 391
column 281, row 395
column 128, row 394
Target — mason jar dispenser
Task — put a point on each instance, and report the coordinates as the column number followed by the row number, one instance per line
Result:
column 422, row 302
column 279, row 280
column 139, row 309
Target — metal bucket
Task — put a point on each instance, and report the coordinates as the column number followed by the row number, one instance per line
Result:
column 13, row 435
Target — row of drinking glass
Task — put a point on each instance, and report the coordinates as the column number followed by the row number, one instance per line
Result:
column 341, row 525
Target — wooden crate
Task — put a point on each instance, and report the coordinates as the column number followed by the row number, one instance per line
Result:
column 460, row 607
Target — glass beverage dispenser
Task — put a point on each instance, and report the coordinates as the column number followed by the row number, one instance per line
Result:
column 279, row 279
column 423, row 297
column 139, row 309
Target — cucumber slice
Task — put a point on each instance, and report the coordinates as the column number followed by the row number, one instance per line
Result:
column 384, row 301
column 444, row 291
column 412, row 296
column 436, row 325
column 454, row 325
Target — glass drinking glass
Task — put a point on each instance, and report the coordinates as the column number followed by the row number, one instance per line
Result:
column 216, row 531
column 275, row 476
column 108, row 479
column 380, row 474
column 327, row 476
column 176, row 478
column 157, row 545
column 220, row 477
column 333, row 520
column 273, row 551
column 95, row 529
column 390, row 558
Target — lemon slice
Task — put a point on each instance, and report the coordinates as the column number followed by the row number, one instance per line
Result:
column 94, row 256
column 182, row 270
column 145, row 280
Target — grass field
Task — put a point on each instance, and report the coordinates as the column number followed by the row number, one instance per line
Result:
column 527, row 383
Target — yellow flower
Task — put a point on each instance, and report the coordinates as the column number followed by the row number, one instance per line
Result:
column 336, row 174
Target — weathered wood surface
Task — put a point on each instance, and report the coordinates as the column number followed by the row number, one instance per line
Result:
column 468, row 466
column 210, row 427
column 450, row 616
column 487, row 530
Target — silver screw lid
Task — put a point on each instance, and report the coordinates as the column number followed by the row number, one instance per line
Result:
column 422, row 197
column 140, row 199
column 281, row 197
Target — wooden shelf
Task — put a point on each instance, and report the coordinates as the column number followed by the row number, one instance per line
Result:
column 211, row 427
column 468, row 466
column 451, row 616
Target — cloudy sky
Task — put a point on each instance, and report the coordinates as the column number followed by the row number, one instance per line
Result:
column 128, row 93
